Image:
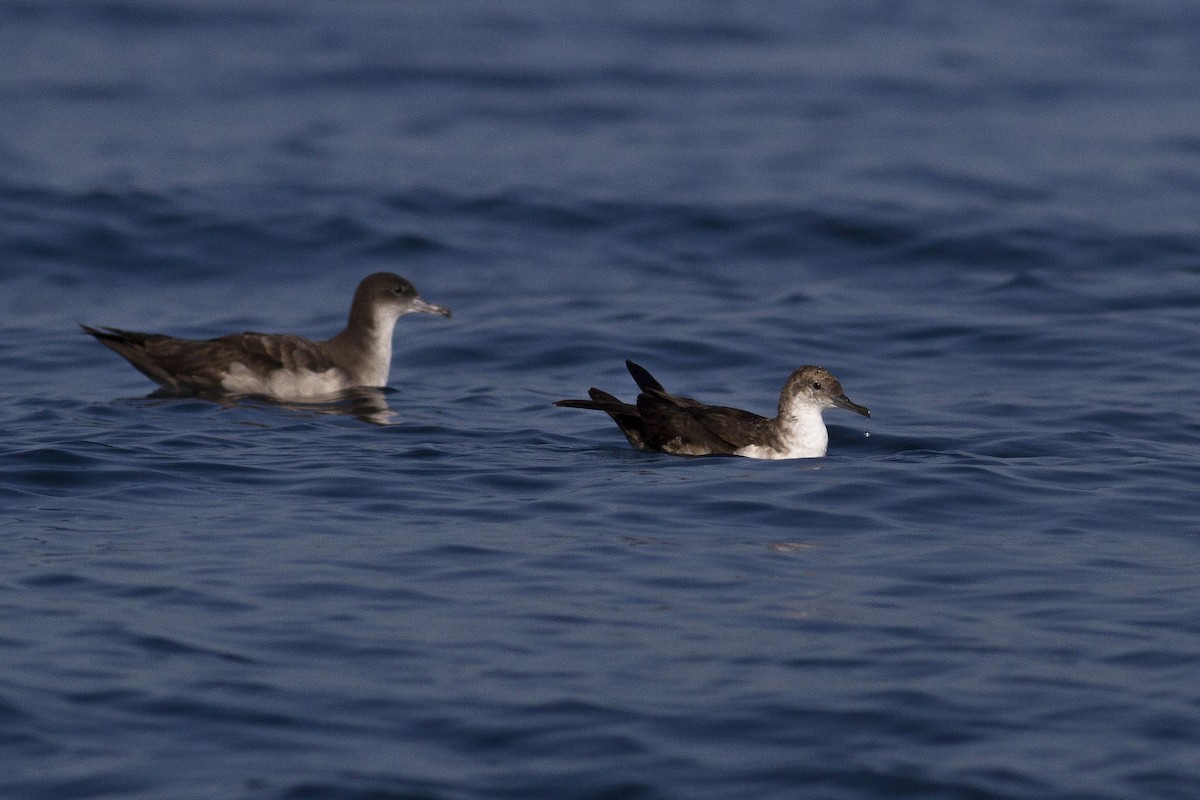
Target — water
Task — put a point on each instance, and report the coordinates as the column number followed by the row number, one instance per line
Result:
column 981, row 218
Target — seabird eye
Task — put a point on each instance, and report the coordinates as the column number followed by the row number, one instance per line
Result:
column 817, row 385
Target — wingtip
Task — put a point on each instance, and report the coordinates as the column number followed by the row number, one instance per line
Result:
column 642, row 377
column 103, row 332
column 98, row 333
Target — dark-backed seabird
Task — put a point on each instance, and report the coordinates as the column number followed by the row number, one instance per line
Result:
column 684, row 427
column 280, row 366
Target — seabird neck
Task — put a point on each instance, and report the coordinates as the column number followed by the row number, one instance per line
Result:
column 365, row 346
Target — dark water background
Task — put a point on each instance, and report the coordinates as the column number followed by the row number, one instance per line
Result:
column 981, row 216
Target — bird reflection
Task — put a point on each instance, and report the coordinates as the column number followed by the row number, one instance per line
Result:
column 364, row 403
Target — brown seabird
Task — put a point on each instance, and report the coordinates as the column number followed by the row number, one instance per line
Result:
column 681, row 426
column 280, row 366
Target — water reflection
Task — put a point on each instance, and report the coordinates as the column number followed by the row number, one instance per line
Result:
column 367, row 404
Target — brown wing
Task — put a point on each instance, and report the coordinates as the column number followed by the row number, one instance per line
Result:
column 672, row 424
column 270, row 351
column 684, row 426
column 190, row 365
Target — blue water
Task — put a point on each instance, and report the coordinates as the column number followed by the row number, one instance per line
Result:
column 981, row 217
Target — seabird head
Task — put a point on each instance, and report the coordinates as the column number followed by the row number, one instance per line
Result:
column 388, row 293
column 815, row 386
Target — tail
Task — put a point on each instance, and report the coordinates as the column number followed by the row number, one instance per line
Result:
column 117, row 338
column 625, row 415
column 601, row 401
column 131, row 346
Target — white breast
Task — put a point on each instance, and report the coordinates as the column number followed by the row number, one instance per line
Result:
column 802, row 435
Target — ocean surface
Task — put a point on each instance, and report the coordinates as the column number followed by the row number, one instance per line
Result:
column 984, row 218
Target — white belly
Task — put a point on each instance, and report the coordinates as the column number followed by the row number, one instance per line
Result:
column 759, row 451
column 281, row 384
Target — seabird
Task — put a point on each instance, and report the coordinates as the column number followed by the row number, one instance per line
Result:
column 681, row 426
column 280, row 366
